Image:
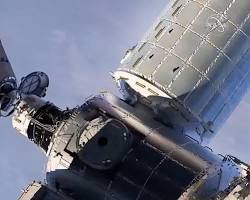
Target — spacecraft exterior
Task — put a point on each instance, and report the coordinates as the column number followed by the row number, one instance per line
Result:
column 179, row 85
column 196, row 56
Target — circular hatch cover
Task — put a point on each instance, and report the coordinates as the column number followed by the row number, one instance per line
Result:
column 35, row 83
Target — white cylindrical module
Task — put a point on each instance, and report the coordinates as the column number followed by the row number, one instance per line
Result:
column 25, row 112
column 196, row 55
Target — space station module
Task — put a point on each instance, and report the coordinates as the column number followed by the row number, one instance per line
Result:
column 179, row 85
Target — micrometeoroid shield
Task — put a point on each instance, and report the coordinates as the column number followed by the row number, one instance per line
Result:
column 199, row 59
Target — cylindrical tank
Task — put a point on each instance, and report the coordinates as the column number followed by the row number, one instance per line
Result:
column 196, row 55
column 7, row 84
column 25, row 112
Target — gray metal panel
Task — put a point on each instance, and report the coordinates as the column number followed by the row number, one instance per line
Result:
column 204, row 57
column 237, row 47
column 184, row 82
column 185, row 48
column 241, row 8
column 219, row 6
column 153, row 58
column 198, row 98
column 200, row 25
column 165, row 72
column 172, row 32
column 185, row 16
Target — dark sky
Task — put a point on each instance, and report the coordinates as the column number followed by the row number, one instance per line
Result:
column 77, row 43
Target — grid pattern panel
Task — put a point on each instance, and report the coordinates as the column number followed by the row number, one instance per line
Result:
column 197, row 49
